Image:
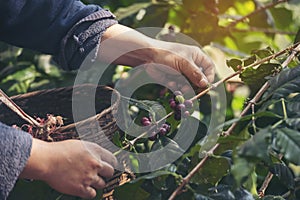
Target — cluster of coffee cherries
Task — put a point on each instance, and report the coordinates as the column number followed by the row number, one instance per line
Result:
column 161, row 131
column 181, row 106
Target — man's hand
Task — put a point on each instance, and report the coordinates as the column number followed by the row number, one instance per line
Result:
column 123, row 45
column 72, row 167
column 186, row 59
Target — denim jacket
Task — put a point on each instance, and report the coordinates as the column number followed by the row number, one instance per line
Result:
column 66, row 29
column 63, row 28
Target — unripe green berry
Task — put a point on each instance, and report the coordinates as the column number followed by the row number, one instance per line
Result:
column 179, row 99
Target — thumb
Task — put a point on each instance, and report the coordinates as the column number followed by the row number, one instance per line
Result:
column 88, row 193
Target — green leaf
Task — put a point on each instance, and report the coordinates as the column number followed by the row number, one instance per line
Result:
column 124, row 12
column 271, row 197
column 287, row 141
column 37, row 190
column 293, row 105
column 257, row 146
column 155, row 109
column 256, row 77
column 285, row 83
column 214, row 169
column 297, row 38
column 117, row 139
column 201, row 197
column 234, row 63
column 293, row 123
column 262, row 53
column 242, row 169
column 284, row 174
column 249, row 61
column 131, row 191
column 135, row 189
column 249, row 117
column 171, row 151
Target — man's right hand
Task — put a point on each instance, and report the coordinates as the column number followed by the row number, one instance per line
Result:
column 71, row 167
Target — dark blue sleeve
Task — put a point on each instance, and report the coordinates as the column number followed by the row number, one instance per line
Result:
column 15, row 147
column 53, row 27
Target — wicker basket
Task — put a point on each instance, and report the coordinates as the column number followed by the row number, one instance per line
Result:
column 58, row 102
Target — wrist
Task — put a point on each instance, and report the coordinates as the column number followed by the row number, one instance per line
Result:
column 126, row 46
column 38, row 164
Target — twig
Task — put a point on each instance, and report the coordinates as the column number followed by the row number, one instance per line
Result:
column 270, row 5
column 295, row 46
column 265, row 184
column 187, row 179
column 14, row 107
column 294, row 53
column 231, row 128
column 216, row 84
column 249, row 105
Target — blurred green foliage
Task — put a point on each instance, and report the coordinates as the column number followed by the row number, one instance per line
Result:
column 232, row 173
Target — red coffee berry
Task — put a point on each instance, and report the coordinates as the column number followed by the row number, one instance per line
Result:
column 144, row 119
column 146, row 123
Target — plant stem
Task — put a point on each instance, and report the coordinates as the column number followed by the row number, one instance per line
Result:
column 267, row 6
column 284, row 109
column 216, row 84
column 265, row 184
column 295, row 49
column 187, row 179
column 15, row 108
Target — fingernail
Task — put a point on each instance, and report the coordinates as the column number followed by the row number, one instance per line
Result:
column 203, row 83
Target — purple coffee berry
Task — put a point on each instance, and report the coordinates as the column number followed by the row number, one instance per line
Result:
column 162, row 131
column 188, row 104
column 167, row 127
column 177, row 116
column 153, row 136
column 186, row 114
column 172, row 99
column 176, row 93
column 180, row 107
column 173, row 105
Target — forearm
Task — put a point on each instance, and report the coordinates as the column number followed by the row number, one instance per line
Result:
column 15, row 149
column 123, row 45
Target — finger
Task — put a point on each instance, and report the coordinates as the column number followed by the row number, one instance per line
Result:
column 104, row 154
column 203, row 61
column 108, row 157
column 195, row 74
column 98, row 183
column 88, row 193
column 105, row 170
column 210, row 74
